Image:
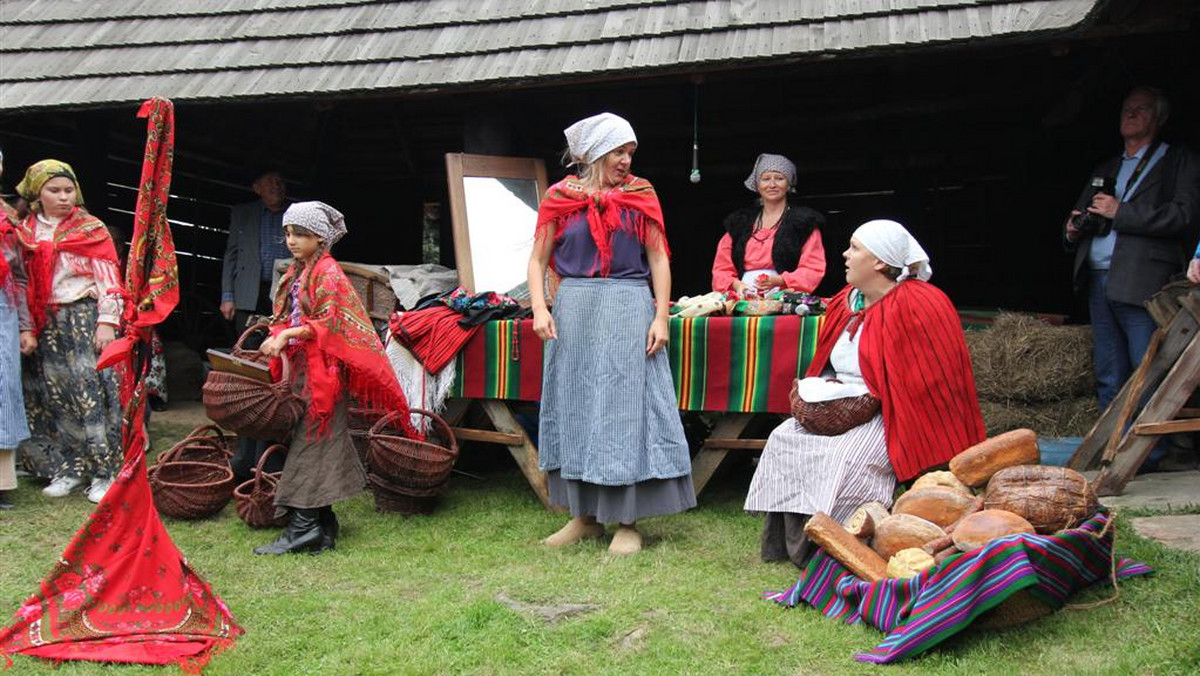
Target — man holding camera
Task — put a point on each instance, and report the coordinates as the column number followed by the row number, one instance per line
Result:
column 1132, row 230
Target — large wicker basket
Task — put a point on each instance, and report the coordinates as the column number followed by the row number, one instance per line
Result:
column 191, row 490
column 266, row 411
column 255, row 498
column 205, row 444
column 390, row 497
column 409, row 462
column 834, row 417
column 374, row 289
column 1019, row 608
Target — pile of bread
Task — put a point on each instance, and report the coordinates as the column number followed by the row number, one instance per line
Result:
column 993, row 489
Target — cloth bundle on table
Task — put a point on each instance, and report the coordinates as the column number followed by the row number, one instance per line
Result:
column 920, row 612
column 433, row 335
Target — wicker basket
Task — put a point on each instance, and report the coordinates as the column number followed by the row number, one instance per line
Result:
column 191, row 490
column 410, row 462
column 407, row 501
column 374, row 289
column 255, row 498
column 833, row 417
column 198, row 446
column 1019, row 608
column 360, row 422
column 267, row 411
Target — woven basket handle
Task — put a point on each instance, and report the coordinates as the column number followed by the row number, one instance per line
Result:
column 208, row 432
column 259, row 474
column 383, row 422
column 237, row 347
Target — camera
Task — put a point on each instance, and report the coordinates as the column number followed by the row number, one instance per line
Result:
column 1088, row 223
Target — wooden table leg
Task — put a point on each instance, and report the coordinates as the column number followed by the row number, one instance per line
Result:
column 525, row 453
column 729, row 426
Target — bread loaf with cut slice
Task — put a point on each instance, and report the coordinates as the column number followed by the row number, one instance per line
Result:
column 940, row 478
column 861, row 523
column 903, row 531
column 909, row 563
column 977, row 464
column 847, row 549
column 982, row 527
column 938, row 504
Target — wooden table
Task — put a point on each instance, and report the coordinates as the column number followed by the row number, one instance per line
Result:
column 736, row 367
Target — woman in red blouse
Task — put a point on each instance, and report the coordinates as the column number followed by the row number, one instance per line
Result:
column 774, row 244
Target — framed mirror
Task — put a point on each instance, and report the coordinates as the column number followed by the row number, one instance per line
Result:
column 493, row 211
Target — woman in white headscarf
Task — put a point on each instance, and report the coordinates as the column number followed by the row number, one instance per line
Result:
column 772, row 244
column 610, row 437
column 892, row 335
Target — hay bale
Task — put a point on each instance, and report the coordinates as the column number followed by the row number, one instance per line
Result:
column 1023, row 359
column 1067, row 418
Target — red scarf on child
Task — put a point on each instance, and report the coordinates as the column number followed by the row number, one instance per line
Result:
column 914, row 358
column 344, row 352
column 79, row 233
column 632, row 206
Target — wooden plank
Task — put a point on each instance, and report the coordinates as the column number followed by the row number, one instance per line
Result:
column 735, row 444
column 487, row 436
column 730, row 426
column 1171, row 395
column 1180, row 333
column 1168, row 427
column 525, row 453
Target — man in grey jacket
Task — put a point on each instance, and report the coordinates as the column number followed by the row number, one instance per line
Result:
column 255, row 241
column 1137, row 239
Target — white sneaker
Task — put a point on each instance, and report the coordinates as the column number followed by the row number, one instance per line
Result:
column 99, row 487
column 61, row 487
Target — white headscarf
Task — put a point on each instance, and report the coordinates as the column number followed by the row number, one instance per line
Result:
column 318, row 218
column 592, row 137
column 892, row 244
column 769, row 162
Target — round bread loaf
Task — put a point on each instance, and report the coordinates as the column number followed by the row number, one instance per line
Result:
column 903, row 531
column 977, row 464
column 940, row 478
column 982, row 527
column 908, row 563
column 938, row 504
column 1049, row 498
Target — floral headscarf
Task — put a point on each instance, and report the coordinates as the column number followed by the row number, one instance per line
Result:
column 36, row 176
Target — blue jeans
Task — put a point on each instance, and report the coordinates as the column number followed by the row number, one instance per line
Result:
column 1120, row 335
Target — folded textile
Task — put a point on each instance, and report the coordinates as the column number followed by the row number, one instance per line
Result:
column 919, row 612
column 433, row 335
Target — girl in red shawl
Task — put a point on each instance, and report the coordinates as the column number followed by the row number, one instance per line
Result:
column 891, row 334
column 610, row 438
column 75, row 301
column 321, row 325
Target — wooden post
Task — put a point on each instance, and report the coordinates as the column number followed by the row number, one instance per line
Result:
column 730, row 426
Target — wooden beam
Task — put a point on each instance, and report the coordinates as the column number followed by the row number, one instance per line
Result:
column 730, row 426
column 735, row 444
column 1167, row 427
column 525, row 453
column 487, row 436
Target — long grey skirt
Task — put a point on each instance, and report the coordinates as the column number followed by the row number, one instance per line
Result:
column 319, row 471
column 609, row 432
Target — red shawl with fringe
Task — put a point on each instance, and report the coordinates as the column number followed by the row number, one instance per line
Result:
column 6, row 228
column 914, row 359
column 121, row 591
column 632, row 206
column 79, row 233
column 344, row 352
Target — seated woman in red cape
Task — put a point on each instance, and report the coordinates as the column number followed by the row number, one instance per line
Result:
column 321, row 324
column 891, row 334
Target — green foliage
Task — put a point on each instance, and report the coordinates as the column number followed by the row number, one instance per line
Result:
column 425, row 595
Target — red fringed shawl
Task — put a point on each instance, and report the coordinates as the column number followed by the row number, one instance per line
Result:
column 79, row 233
column 632, row 206
column 345, row 352
column 6, row 227
column 914, row 359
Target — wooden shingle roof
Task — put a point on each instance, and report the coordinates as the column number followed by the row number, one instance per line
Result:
column 83, row 53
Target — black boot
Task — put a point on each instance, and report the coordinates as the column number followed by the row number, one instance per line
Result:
column 329, row 527
column 6, row 504
column 303, row 534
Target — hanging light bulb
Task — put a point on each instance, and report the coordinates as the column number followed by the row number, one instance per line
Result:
column 694, row 177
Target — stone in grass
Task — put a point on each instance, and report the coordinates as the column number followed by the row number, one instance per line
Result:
column 550, row 613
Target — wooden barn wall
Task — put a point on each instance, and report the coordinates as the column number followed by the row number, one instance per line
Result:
column 979, row 152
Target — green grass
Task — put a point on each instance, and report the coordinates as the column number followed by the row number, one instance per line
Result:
column 420, row 596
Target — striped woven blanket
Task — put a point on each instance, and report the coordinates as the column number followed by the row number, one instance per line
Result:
column 737, row 364
column 920, row 612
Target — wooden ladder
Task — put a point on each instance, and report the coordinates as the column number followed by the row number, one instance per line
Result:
column 1165, row 381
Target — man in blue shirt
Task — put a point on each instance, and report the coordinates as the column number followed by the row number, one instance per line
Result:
column 255, row 241
column 1141, row 241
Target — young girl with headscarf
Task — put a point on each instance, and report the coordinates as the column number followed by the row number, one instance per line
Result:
column 75, row 301
column 893, row 335
column 774, row 244
column 321, row 324
column 16, row 338
column 610, row 437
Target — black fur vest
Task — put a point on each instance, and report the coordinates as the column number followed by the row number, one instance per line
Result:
column 798, row 223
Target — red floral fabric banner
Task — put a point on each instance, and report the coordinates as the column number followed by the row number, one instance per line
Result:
column 121, row 591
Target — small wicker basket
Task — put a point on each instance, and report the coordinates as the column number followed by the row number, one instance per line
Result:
column 833, row 417
column 406, row 461
column 255, row 498
column 191, row 490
